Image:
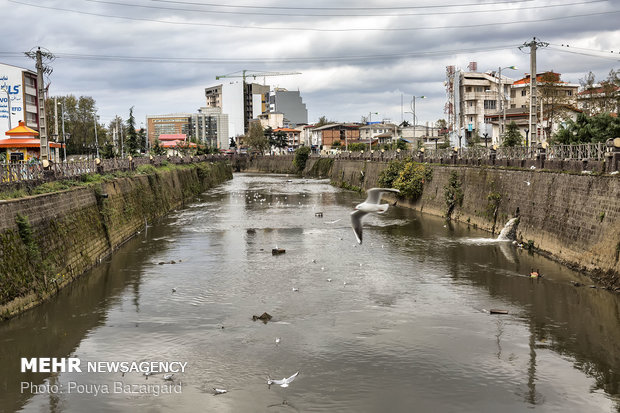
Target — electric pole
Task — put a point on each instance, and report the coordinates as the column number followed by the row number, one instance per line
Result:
column 44, row 151
column 533, row 45
column 42, row 70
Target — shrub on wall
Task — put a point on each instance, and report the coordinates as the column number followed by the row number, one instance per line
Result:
column 411, row 179
column 453, row 193
column 301, row 157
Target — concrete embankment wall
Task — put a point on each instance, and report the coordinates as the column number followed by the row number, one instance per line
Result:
column 575, row 218
column 48, row 240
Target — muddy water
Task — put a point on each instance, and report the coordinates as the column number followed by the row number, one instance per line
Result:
column 408, row 332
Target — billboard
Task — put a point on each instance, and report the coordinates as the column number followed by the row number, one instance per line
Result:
column 11, row 97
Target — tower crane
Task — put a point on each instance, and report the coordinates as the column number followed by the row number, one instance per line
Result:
column 254, row 74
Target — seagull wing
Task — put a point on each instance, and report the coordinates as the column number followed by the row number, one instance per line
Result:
column 356, row 223
column 280, row 382
column 290, row 379
column 374, row 194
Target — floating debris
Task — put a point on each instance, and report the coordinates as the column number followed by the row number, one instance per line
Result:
column 497, row 311
column 318, row 214
column 251, row 231
column 264, row 317
column 219, row 391
column 278, row 251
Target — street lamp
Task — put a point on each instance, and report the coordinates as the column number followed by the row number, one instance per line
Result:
column 501, row 95
column 64, row 137
column 413, row 109
column 96, row 140
column 370, row 129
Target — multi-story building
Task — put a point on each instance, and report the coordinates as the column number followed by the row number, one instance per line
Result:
column 384, row 132
column 209, row 127
column 172, row 124
column 290, row 104
column 241, row 101
column 18, row 98
column 480, row 94
column 327, row 135
column 548, row 87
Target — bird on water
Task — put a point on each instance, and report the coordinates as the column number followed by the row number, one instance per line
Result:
column 371, row 204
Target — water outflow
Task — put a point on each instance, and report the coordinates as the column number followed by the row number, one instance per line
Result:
column 509, row 231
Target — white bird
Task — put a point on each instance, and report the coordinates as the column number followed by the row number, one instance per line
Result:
column 277, row 340
column 283, row 382
column 532, row 167
column 220, row 391
column 295, row 289
column 371, row 204
column 168, row 377
column 329, row 280
column 527, row 182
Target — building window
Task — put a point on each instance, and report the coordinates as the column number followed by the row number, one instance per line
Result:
column 569, row 93
column 490, row 104
column 523, row 92
column 468, row 89
column 471, row 103
column 479, row 89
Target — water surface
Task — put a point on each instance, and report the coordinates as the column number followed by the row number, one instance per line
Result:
column 408, row 332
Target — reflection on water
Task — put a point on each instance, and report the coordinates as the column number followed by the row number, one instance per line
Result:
column 400, row 326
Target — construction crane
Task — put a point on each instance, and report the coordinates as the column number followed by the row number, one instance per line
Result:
column 254, row 74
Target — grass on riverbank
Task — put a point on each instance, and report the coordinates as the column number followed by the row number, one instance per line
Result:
column 87, row 180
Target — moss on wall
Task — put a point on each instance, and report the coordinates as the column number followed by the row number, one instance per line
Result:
column 51, row 239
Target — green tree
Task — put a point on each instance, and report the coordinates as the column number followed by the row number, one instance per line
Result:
column 132, row 143
column 555, row 103
column 512, row 136
column 586, row 129
column 280, row 140
column 158, row 149
column 324, row 121
column 232, row 143
column 256, row 138
column 142, row 140
column 301, row 157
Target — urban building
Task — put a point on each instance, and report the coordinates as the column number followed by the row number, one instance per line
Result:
column 290, row 104
column 18, row 98
column 176, row 144
column 172, row 124
column 345, row 133
column 208, row 126
column 599, row 98
column 383, row 132
column 241, row 101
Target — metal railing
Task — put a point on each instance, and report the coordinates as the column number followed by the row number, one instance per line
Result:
column 589, row 151
column 17, row 172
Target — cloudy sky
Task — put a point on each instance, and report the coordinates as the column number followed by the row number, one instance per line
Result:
column 354, row 57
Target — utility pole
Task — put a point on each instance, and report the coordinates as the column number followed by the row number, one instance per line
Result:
column 44, row 150
column 533, row 45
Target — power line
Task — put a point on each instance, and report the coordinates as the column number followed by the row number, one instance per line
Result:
column 367, row 29
column 340, row 8
column 564, row 50
column 322, row 59
column 400, row 14
column 583, row 48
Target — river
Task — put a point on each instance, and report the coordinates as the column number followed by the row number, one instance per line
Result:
column 399, row 323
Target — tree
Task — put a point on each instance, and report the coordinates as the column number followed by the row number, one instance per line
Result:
column 158, row 148
column 232, row 143
column 588, row 129
column 554, row 101
column 324, row 121
column 280, row 140
column 79, row 116
column 512, row 136
column 132, row 143
column 142, row 140
column 256, row 138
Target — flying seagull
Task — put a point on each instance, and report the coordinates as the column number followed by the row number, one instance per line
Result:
column 371, row 204
column 283, row 382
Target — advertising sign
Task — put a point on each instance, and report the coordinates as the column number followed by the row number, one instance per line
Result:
column 11, row 97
